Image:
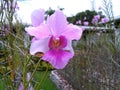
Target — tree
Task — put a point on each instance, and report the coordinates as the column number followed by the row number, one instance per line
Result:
column 84, row 16
column 50, row 11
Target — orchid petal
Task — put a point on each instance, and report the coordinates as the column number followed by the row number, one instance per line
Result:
column 39, row 46
column 63, row 42
column 37, row 17
column 39, row 32
column 34, row 39
column 86, row 23
column 69, row 47
column 73, row 32
column 104, row 20
column 58, row 58
column 57, row 22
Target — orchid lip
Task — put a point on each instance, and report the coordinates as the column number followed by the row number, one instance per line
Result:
column 57, row 42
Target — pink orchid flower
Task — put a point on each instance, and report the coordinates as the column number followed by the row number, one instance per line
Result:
column 85, row 23
column 54, row 39
column 104, row 20
column 37, row 17
column 78, row 22
column 95, row 19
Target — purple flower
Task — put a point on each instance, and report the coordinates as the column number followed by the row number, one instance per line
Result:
column 21, row 87
column 104, row 20
column 28, row 76
column 54, row 39
column 95, row 19
column 78, row 22
column 85, row 23
column 4, row 30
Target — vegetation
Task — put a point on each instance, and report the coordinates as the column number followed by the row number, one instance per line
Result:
column 96, row 64
column 43, row 76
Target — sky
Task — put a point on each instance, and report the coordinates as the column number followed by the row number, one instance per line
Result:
column 71, row 7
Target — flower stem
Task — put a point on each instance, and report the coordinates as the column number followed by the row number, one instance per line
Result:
column 33, row 73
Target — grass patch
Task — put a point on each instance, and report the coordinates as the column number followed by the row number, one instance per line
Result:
column 2, row 85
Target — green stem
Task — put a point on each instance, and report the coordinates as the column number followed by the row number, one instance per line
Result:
column 29, row 58
column 24, row 76
column 33, row 73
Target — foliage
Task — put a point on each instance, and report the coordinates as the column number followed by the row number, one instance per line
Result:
column 50, row 11
column 84, row 16
column 96, row 64
column 45, row 85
